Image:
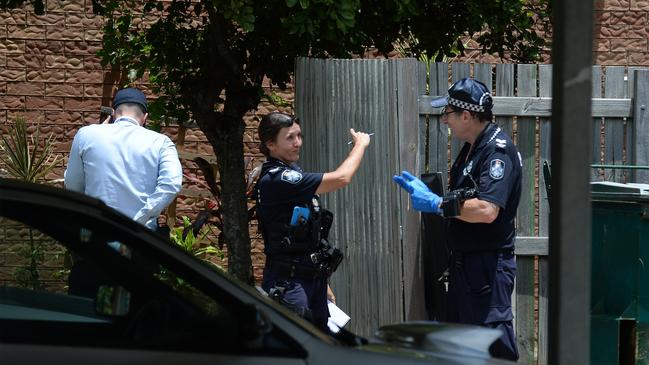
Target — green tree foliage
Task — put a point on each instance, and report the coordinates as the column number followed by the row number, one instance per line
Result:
column 208, row 59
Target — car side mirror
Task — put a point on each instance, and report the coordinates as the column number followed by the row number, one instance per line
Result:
column 254, row 324
column 112, row 300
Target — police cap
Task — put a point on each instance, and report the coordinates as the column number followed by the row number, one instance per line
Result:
column 468, row 94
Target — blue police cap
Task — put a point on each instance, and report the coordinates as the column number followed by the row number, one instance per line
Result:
column 468, row 94
column 130, row 95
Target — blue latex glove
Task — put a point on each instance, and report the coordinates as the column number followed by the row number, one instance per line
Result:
column 422, row 198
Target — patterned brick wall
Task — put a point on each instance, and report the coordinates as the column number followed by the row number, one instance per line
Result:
column 620, row 36
column 621, row 31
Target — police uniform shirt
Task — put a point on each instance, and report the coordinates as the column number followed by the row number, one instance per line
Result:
column 494, row 169
column 280, row 188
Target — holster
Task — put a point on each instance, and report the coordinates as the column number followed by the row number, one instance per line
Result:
column 326, row 221
column 327, row 258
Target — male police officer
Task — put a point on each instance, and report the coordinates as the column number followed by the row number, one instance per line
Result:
column 485, row 184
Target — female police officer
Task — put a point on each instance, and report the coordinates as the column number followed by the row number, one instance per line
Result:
column 296, row 272
column 485, row 184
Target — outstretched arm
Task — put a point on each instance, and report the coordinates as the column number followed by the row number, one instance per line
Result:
column 422, row 198
column 342, row 176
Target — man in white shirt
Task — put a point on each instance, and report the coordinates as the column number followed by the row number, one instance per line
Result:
column 130, row 168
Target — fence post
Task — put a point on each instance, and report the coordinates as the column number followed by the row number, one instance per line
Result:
column 640, row 125
column 526, row 140
column 408, row 131
column 545, row 90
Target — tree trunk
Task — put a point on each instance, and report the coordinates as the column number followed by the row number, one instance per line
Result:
column 226, row 137
column 224, row 130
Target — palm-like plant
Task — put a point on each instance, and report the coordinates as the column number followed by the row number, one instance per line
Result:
column 27, row 158
column 24, row 156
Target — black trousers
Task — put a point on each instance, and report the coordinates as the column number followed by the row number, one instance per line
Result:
column 480, row 290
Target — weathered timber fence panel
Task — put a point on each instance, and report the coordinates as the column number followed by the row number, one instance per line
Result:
column 380, row 281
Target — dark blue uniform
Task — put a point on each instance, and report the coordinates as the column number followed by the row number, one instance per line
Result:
column 281, row 188
column 483, row 267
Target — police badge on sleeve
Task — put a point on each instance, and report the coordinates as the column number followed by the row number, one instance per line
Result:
column 291, row 176
column 497, row 169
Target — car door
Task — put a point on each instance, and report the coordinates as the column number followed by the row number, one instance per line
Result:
column 81, row 283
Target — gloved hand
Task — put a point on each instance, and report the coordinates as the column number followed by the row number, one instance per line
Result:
column 422, row 198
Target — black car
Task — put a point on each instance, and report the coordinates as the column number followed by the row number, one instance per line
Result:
column 81, row 283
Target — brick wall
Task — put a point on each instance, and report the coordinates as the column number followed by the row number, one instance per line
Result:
column 620, row 36
column 621, row 31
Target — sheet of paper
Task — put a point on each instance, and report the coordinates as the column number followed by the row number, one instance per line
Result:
column 337, row 318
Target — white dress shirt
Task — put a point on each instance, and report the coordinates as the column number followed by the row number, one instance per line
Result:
column 130, row 168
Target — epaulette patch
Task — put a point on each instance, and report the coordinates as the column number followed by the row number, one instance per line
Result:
column 291, row 176
column 501, row 143
column 497, row 169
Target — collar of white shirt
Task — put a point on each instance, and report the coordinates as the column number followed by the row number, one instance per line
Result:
column 127, row 119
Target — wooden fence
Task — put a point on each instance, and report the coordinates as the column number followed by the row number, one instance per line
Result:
column 334, row 94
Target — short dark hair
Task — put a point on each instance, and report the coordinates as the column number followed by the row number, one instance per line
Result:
column 269, row 128
column 486, row 116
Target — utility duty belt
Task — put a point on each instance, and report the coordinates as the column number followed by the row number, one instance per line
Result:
column 322, row 259
column 319, row 264
column 287, row 269
column 459, row 255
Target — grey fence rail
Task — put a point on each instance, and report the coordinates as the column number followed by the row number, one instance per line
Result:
column 381, row 279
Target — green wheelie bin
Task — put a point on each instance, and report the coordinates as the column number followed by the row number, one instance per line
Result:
column 620, row 273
